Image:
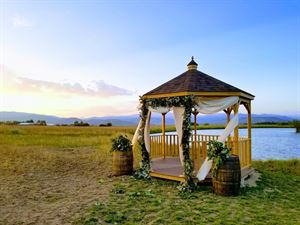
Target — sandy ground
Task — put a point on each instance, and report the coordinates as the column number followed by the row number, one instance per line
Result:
column 57, row 193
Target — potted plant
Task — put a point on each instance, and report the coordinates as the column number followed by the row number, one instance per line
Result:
column 226, row 170
column 122, row 156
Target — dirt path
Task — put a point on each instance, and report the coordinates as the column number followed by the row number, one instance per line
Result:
column 57, row 191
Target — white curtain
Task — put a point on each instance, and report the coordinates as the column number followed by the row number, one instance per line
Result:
column 178, row 117
column 206, row 106
column 159, row 109
column 136, row 133
column 229, row 128
column 207, row 164
column 147, row 131
column 147, row 125
column 213, row 106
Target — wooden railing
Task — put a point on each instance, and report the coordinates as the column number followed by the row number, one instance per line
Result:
column 198, row 148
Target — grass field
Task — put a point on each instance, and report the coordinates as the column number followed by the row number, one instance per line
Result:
column 60, row 175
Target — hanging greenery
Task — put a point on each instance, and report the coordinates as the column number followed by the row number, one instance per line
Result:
column 187, row 102
column 143, row 172
column 218, row 153
column 186, row 134
column 168, row 102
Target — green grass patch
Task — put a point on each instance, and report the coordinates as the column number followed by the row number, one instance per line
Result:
column 273, row 201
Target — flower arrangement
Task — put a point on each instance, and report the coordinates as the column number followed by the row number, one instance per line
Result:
column 218, row 153
column 121, row 143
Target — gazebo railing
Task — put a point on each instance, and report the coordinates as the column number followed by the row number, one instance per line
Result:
column 198, row 148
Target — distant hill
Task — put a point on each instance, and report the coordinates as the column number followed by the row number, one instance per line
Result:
column 219, row 118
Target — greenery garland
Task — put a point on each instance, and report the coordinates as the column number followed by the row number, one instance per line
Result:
column 143, row 172
column 187, row 102
column 186, row 134
column 218, row 153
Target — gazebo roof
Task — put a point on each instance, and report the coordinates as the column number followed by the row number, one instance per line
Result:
column 194, row 82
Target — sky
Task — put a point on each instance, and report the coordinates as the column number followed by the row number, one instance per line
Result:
column 95, row 58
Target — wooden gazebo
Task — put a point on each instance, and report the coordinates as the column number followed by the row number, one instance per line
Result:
column 164, row 148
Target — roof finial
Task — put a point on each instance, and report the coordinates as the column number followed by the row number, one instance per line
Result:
column 192, row 64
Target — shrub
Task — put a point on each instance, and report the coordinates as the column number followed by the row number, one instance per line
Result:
column 297, row 125
column 218, row 153
column 121, row 143
column 81, row 124
column 41, row 123
column 105, row 125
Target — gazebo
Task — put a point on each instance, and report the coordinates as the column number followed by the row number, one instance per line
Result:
column 182, row 156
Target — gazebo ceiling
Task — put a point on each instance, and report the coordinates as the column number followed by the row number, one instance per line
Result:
column 194, row 82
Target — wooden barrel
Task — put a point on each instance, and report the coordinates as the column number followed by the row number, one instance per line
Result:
column 122, row 163
column 228, row 178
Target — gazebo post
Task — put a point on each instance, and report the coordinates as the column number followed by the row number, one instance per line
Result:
column 195, row 123
column 236, row 131
column 249, row 124
column 228, row 112
column 163, row 128
column 195, row 147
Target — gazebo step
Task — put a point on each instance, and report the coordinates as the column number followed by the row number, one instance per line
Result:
column 166, row 176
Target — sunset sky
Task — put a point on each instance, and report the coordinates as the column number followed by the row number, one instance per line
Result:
column 94, row 58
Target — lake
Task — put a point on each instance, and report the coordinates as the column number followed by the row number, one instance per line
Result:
column 269, row 143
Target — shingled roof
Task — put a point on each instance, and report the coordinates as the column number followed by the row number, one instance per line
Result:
column 196, row 82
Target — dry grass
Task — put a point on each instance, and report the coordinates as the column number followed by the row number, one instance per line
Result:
column 60, row 175
column 50, row 175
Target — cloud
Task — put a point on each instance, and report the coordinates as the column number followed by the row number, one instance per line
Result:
column 24, row 85
column 19, row 21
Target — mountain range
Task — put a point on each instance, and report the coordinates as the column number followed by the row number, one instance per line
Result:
column 218, row 118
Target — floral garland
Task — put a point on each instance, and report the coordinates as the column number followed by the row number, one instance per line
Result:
column 187, row 102
column 188, row 165
column 143, row 172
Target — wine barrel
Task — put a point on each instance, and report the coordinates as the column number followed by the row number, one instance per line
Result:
column 122, row 163
column 228, row 178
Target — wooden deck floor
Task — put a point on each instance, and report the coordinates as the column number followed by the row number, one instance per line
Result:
column 170, row 168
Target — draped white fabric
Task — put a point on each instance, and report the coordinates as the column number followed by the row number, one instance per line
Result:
column 178, row 117
column 213, row 106
column 147, row 131
column 136, row 133
column 206, row 106
column 207, row 164
column 229, row 128
column 147, row 125
column 159, row 109
column 204, row 170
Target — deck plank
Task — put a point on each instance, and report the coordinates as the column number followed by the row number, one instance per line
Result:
column 170, row 168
